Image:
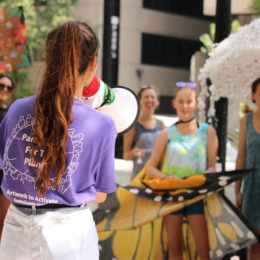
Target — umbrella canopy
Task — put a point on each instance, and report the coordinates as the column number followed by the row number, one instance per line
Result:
column 233, row 65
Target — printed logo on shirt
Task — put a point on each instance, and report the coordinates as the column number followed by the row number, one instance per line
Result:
column 21, row 168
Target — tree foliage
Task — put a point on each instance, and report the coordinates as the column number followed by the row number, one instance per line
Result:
column 208, row 39
column 40, row 17
column 255, row 6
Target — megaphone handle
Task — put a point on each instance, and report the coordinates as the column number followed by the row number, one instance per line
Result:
column 108, row 96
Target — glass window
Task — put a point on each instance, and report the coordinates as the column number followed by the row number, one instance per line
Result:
column 193, row 8
column 168, row 51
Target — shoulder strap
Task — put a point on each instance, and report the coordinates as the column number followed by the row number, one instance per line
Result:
column 138, row 130
column 249, row 121
column 171, row 132
column 158, row 124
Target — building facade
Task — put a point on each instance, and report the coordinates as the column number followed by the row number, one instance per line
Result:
column 156, row 40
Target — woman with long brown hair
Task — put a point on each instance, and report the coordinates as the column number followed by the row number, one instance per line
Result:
column 57, row 155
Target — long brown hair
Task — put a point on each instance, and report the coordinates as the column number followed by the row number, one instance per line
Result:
column 69, row 49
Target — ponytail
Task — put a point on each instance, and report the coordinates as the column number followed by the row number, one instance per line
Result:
column 69, row 49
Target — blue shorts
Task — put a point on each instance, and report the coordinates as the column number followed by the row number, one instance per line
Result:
column 196, row 208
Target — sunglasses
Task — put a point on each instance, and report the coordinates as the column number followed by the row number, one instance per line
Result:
column 8, row 88
column 188, row 84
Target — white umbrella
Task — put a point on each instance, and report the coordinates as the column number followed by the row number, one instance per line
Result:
column 233, row 65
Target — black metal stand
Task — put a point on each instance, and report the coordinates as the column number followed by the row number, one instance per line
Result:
column 223, row 28
column 111, row 53
column 111, row 42
column 221, row 107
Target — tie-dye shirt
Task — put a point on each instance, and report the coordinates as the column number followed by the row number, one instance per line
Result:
column 186, row 155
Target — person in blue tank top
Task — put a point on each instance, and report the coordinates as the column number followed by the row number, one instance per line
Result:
column 249, row 157
column 139, row 141
column 184, row 149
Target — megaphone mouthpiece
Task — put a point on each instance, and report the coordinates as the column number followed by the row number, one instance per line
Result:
column 120, row 103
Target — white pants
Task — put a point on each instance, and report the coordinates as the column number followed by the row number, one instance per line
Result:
column 62, row 234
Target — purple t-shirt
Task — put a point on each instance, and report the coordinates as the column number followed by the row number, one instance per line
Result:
column 90, row 156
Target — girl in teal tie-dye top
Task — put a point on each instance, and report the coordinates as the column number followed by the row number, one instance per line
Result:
column 186, row 148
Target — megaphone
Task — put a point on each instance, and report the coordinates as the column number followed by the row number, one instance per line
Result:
column 119, row 102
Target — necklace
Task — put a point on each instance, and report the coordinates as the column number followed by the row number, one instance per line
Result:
column 184, row 122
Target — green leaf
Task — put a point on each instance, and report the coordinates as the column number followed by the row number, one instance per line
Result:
column 26, row 47
column 20, row 13
column 13, row 12
column 26, row 60
column 212, row 31
column 203, row 49
column 255, row 6
column 18, row 64
column 235, row 26
column 207, row 39
column 45, row 18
